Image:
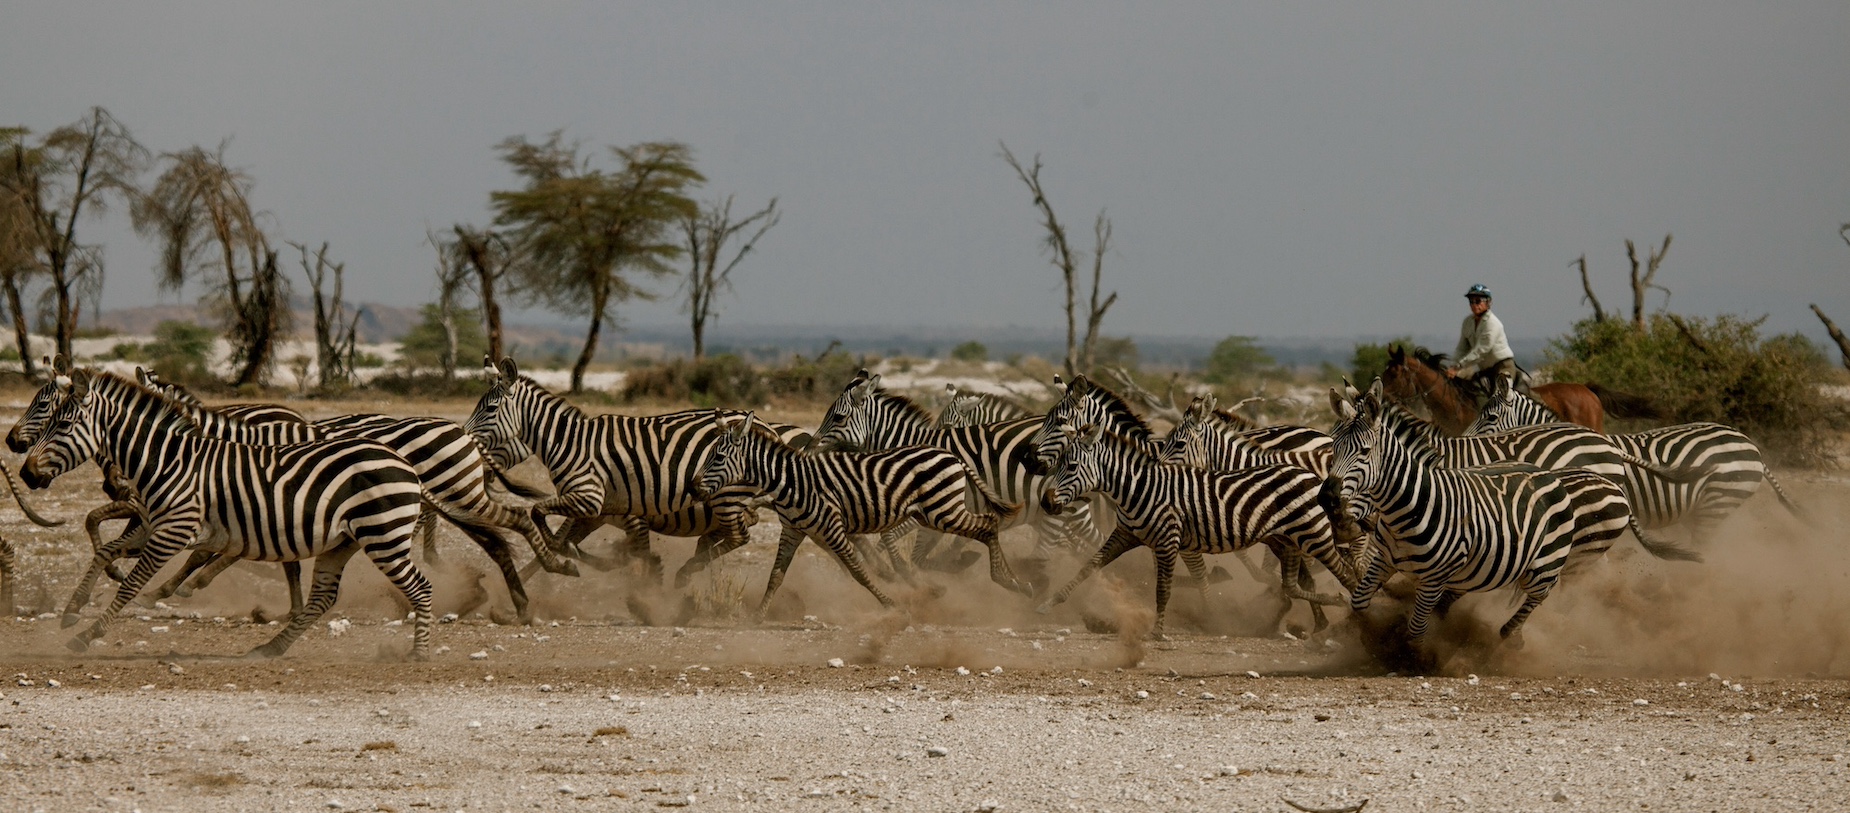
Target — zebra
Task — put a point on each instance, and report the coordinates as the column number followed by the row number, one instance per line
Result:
column 1206, row 440
column 826, row 496
column 248, row 413
column 1457, row 531
column 975, row 408
column 444, row 456
column 8, row 561
column 324, row 500
column 1730, row 464
column 608, row 465
column 1174, row 508
column 865, row 417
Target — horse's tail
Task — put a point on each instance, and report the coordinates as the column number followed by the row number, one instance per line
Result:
column 1626, row 405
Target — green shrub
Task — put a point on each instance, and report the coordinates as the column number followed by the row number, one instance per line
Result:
column 717, row 381
column 180, row 352
column 1717, row 370
column 970, row 351
column 1370, row 360
column 428, row 384
column 423, row 347
column 1235, row 358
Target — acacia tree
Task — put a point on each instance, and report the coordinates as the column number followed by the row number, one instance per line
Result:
column 75, row 170
column 707, row 231
column 1079, row 356
column 199, row 203
column 586, row 232
column 18, row 266
column 489, row 256
column 452, row 274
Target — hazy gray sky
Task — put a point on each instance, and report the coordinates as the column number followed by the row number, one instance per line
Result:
column 1283, row 169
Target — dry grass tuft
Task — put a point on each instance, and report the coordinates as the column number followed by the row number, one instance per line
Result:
column 381, row 745
column 612, row 731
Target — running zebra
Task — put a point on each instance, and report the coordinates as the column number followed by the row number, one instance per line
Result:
column 1085, row 402
column 866, row 417
column 1172, row 509
column 608, row 465
column 1206, row 440
column 1729, row 464
column 248, row 413
column 445, row 457
column 1458, row 531
column 827, row 496
column 974, row 408
column 325, row 500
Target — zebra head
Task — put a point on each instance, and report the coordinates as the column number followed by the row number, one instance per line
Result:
column 172, row 392
column 1352, row 440
column 38, row 411
column 70, row 436
column 725, row 464
column 1077, row 470
column 1187, row 444
column 959, row 410
column 1507, row 409
column 1073, row 410
column 497, row 422
column 844, row 426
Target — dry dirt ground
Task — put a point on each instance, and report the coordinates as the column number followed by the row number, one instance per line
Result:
column 1643, row 686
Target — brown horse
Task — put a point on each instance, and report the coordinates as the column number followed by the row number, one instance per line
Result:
column 1421, row 375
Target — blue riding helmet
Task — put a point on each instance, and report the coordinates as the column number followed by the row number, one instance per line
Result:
column 1478, row 290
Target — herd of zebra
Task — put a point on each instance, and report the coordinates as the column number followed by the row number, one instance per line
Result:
column 1512, row 504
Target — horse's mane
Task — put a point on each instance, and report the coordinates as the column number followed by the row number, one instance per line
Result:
column 1436, row 362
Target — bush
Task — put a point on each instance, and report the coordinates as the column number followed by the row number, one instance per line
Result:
column 970, row 351
column 716, row 381
column 422, row 348
column 1370, row 360
column 432, row 384
column 180, row 352
column 1235, row 358
column 1717, row 370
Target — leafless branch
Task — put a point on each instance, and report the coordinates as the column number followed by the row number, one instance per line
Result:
column 1837, row 335
column 1166, row 409
column 1688, row 335
column 1599, row 313
column 1062, row 255
column 1101, row 232
column 1643, row 284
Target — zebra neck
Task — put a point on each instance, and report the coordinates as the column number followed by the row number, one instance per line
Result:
column 773, row 467
column 556, row 430
column 1126, row 474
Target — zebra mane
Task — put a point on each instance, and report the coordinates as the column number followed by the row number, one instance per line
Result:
column 133, row 396
column 548, row 395
column 909, row 410
column 1118, row 414
column 1237, row 423
column 1414, row 434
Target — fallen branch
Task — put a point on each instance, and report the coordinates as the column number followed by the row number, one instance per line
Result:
column 1169, row 411
column 1354, row 808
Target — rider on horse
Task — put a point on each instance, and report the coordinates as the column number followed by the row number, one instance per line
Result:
column 1483, row 350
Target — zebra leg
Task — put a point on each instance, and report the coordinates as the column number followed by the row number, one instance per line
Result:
column 498, row 551
column 196, row 560
column 574, row 531
column 1379, row 569
column 1114, row 547
column 201, row 577
column 734, row 532
column 982, row 528
column 292, row 573
column 1444, row 607
column 1534, row 592
column 427, row 532
column 1165, row 546
column 7, row 562
column 1307, row 582
column 328, row 567
column 1426, row 599
column 895, row 563
column 134, row 536
column 836, row 540
column 169, row 536
column 638, row 545
column 787, row 542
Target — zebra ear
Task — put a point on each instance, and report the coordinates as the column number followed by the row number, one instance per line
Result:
column 509, row 370
column 1091, row 432
column 1344, row 409
column 1057, row 383
column 61, row 365
column 141, row 377
column 1209, row 404
column 80, row 383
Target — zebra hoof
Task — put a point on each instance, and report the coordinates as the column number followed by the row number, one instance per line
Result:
column 265, row 652
column 183, row 591
column 78, row 644
column 501, row 617
column 1044, row 608
column 563, row 567
column 70, row 620
column 418, row 655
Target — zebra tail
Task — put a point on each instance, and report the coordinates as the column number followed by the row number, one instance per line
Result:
column 1624, row 404
column 1663, row 550
column 19, row 496
column 1784, row 500
column 518, row 489
column 1003, row 511
column 1682, row 475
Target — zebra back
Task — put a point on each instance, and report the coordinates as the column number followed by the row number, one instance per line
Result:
column 1202, row 440
column 973, row 408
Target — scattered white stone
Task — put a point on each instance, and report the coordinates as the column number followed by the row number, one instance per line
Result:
column 615, row 698
column 174, row 669
column 53, row 683
column 1084, row 683
column 836, row 663
column 1207, row 696
column 242, row 739
column 448, row 618
column 157, row 630
column 336, row 627
column 1248, row 696
column 1641, row 702
column 996, row 671
column 1229, row 770
column 1142, row 695
column 474, row 724
column 962, row 671
column 443, row 649
column 1560, row 796
column 1251, row 674
column 1471, row 680
column 937, row 751
column 498, row 648
column 335, row 804
column 568, row 790
column 546, row 687
column 479, row 655
column 680, row 633
column 1035, row 644
column 1515, row 695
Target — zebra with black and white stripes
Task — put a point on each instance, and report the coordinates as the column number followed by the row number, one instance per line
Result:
column 1457, row 531
column 867, row 417
column 1728, row 465
column 1171, row 509
column 444, row 456
column 826, row 496
column 974, row 408
column 248, row 413
column 1086, row 402
column 324, row 500
column 1205, row 440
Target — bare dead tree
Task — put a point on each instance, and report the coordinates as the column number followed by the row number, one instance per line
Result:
column 452, row 275
column 1843, row 343
column 1599, row 313
column 263, row 321
column 707, row 231
column 1642, row 285
column 1165, row 407
column 1063, row 258
column 489, row 257
column 334, row 331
